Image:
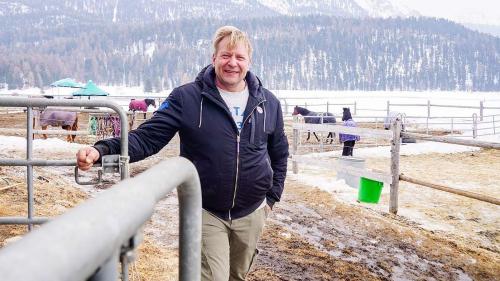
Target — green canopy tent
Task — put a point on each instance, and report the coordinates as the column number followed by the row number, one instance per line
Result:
column 67, row 83
column 90, row 89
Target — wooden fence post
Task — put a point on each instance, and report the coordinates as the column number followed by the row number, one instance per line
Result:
column 286, row 106
column 388, row 108
column 294, row 150
column 451, row 126
column 355, row 108
column 428, row 116
column 395, row 145
column 481, row 109
column 327, row 107
column 321, row 148
column 474, row 125
column 295, row 144
column 494, row 132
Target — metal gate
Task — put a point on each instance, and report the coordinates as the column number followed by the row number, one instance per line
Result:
column 29, row 162
column 88, row 241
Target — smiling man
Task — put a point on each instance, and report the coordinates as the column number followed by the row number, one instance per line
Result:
column 231, row 128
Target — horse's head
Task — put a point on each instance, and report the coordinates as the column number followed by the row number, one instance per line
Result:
column 301, row 110
column 150, row 102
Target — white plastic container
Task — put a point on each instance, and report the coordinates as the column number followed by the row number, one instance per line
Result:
column 347, row 162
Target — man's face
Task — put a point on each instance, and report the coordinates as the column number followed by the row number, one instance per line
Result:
column 231, row 66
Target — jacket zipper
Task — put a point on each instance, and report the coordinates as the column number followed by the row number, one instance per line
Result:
column 238, row 155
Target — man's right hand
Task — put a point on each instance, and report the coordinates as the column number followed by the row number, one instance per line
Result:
column 86, row 157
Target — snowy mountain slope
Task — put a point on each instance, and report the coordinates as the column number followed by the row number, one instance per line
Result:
column 386, row 8
column 61, row 11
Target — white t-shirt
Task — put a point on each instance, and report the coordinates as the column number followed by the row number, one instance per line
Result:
column 236, row 102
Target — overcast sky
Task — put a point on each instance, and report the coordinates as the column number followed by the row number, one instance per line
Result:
column 475, row 11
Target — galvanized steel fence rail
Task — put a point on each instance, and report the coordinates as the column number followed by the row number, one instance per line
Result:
column 29, row 162
column 86, row 242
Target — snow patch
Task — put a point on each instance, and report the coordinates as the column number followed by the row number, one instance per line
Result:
column 51, row 144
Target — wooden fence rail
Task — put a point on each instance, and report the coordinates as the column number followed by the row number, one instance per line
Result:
column 479, row 109
column 395, row 136
column 452, row 140
column 457, row 191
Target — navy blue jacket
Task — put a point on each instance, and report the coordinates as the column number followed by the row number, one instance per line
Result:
column 237, row 170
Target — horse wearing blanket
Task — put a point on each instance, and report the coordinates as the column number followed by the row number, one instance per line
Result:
column 65, row 119
column 141, row 105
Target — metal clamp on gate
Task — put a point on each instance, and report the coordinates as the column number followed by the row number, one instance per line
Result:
column 127, row 251
column 110, row 164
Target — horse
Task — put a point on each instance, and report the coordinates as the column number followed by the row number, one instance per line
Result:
column 308, row 118
column 65, row 119
column 141, row 105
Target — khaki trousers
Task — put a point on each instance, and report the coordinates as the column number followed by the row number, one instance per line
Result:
column 229, row 247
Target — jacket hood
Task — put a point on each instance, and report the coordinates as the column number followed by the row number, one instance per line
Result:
column 206, row 79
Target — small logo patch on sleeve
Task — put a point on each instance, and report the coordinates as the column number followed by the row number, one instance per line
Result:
column 164, row 105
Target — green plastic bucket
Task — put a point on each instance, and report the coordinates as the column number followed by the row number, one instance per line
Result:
column 369, row 190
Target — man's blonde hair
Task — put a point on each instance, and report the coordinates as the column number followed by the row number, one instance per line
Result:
column 235, row 36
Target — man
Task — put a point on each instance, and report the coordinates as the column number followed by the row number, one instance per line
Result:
column 231, row 128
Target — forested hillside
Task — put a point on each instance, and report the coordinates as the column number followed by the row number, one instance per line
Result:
column 291, row 52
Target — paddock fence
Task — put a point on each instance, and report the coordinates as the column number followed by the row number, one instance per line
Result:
column 102, row 123
column 462, row 120
column 394, row 136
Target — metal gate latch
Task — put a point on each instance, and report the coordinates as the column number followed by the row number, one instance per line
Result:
column 110, row 164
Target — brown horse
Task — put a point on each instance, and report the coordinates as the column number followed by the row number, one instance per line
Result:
column 65, row 119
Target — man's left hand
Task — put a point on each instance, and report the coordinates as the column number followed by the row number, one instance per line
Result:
column 268, row 210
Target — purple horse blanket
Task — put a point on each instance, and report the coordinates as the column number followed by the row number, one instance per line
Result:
column 139, row 105
column 57, row 118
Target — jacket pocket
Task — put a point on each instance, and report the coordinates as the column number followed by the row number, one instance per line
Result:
column 258, row 136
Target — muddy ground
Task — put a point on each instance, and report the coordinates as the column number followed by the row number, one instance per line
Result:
column 312, row 234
